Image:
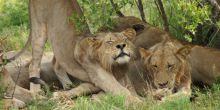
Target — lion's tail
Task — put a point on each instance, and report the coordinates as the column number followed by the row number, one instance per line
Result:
column 36, row 80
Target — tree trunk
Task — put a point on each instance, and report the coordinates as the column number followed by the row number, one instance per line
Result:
column 215, row 4
column 141, row 10
column 160, row 7
column 114, row 6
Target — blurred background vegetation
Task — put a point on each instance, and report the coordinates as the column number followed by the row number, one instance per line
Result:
column 14, row 22
column 194, row 21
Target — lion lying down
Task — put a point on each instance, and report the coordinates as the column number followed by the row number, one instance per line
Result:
column 15, row 94
column 21, row 66
column 204, row 62
column 166, row 69
column 103, row 62
column 17, row 72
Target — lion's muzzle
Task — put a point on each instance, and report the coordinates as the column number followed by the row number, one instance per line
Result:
column 122, row 58
column 122, row 54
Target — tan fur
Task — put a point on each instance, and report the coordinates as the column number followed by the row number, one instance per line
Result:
column 147, row 37
column 52, row 23
column 99, row 58
column 121, row 23
column 205, row 64
column 20, row 67
column 16, row 94
column 204, row 61
column 166, row 67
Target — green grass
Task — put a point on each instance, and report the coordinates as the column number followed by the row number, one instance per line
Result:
column 16, row 37
column 41, row 105
column 107, row 102
column 207, row 100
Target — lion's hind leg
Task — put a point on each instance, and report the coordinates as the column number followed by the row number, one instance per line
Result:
column 38, row 41
column 62, row 75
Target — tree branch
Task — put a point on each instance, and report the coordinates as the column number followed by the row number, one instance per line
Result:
column 215, row 15
column 141, row 10
column 215, row 4
column 163, row 14
column 115, row 7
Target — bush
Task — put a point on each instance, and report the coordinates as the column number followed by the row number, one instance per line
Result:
column 13, row 13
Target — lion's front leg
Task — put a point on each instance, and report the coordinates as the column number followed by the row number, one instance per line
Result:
column 82, row 89
column 183, row 91
column 126, row 82
column 107, row 82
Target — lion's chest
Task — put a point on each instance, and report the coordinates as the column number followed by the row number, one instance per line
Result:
column 119, row 71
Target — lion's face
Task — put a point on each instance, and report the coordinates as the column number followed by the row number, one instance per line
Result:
column 164, row 64
column 115, row 48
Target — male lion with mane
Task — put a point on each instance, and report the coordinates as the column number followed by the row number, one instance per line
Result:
column 102, row 63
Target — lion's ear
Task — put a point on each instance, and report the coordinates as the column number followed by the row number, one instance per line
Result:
column 92, row 39
column 184, row 51
column 138, row 27
column 130, row 34
column 144, row 53
column 96, row 43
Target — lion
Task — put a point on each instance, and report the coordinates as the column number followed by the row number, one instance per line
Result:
column 166, row 68
column 103, row 61
column 204, row 61
column 14, row 94
column 205, row 64
column 52, row 24
column 19, row 67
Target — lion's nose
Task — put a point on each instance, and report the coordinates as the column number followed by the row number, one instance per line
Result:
column 121, row 46
column 163, row 85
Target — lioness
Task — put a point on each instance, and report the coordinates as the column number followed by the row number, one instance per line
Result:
column 166, row 68
column 102, row 64
column 19, row 69
column 52, row 24
column 205, row 64
column 204, row 61
column 15, row 95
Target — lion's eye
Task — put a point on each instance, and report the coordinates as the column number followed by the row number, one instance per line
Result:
column 170, row 66
column 155, row 66
column 109, row 42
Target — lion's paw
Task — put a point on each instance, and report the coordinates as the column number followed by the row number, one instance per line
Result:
column 133, row 99
column 13, row 103
column 60, row 96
